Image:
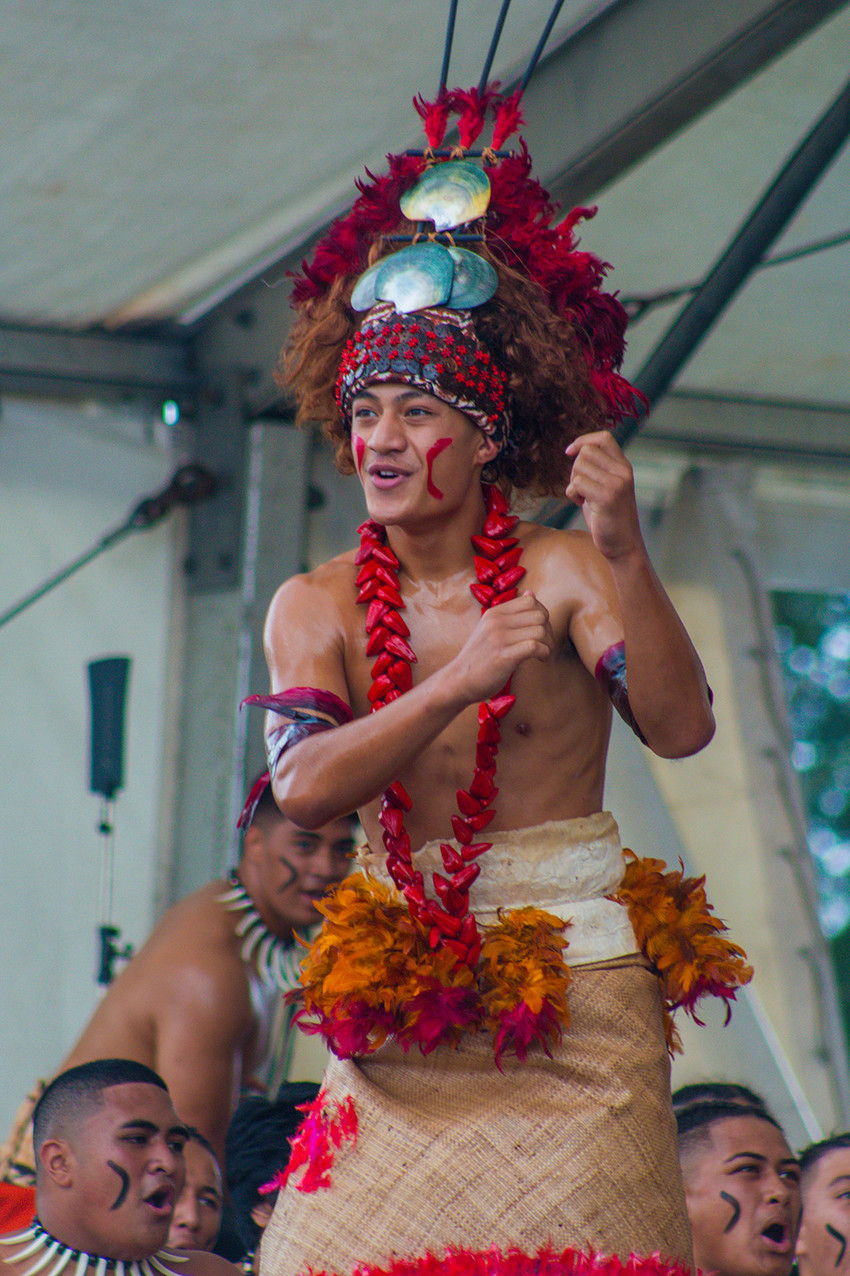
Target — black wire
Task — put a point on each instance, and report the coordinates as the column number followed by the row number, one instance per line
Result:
column 535, row 57
column 638, row 306
column 447, row 48
column 494, row 44
column 805, row 250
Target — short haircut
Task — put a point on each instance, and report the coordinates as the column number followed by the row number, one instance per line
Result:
column 78, row 1091
column 257, row 1146
column 699, row 1092
column 810, row 1156
column 266, row 812
column 194, row 1135
column 694, row 1124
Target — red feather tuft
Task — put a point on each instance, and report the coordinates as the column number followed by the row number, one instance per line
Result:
column 435, row 117
column 348, row 1030
column 521, row 1028
column 546, row 1261
column 344, row 250
column 326, row 1126
column 508, row 119
column 521, row 232
column 440, row 1014
column 471, row 106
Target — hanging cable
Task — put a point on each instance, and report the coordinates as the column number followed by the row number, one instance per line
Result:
column 190, row 484
column 639, row 305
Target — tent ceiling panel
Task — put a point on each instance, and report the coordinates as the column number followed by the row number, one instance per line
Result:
column 666, row 221
column 149, row 138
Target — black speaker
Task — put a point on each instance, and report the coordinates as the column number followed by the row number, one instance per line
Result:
column 108, row 687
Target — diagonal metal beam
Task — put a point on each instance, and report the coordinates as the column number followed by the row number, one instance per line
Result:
column 640, row 71
column 763, row 226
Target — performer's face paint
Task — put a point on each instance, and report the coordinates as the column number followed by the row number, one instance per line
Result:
column 402, row 431
column 197, row 1214
column 823, row 1247
column 359, row 450
column 431, row 456
column 743, row 1195
column 295, row 868
column 128, row 1172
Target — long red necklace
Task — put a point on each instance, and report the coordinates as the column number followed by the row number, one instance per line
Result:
column 496, row 555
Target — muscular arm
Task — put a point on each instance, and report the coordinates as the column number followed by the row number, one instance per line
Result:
column 201, row 1030
column 667, row 690
column 337, row 771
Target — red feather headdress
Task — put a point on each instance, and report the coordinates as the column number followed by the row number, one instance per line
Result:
column 521, row 230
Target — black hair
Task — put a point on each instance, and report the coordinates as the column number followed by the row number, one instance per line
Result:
column 810, row 1156
column 694, row 1123
column 699, row 1092
column 78, row 1091
column 257, row 1146
column 193, row 1135
column 267, row 811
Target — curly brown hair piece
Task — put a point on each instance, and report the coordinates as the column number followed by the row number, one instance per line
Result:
column 553, row 399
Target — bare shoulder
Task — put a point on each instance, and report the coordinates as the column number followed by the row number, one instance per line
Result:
column 196, row 1262
column 308, row 628
column 316, row 594
column 195, row 953
column 199, row 920
column 565, row 557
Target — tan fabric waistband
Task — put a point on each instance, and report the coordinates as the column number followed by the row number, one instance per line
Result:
column 565, row 867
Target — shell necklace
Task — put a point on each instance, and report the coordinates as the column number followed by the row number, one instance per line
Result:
column 52, row 1257
column 496, row 556
column 277, row 963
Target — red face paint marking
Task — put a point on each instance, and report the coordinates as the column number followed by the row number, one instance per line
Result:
column 431, row 456
column 359, row 450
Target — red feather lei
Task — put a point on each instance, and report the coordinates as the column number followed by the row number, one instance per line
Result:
column 496, row 557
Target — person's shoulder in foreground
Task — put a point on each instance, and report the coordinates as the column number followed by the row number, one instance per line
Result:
column 110, row 1165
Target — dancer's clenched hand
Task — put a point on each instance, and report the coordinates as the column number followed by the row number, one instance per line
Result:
column 602, row 483
column 502, row 639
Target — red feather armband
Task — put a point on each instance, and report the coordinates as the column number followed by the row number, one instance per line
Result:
column 305, row 710
column 611, row 672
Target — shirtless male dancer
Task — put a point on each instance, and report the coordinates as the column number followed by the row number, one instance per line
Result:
column 110, row 1168
column 201, row 1002
column 444, row 411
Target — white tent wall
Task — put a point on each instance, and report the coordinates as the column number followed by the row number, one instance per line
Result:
column 69, row 475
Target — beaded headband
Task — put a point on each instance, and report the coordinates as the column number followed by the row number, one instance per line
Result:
column 435, row 350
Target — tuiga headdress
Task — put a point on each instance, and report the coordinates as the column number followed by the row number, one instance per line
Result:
column 420, row 252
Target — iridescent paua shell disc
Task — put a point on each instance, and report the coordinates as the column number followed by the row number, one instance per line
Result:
column 363, row 296
column 474, row 280
column 448, row 195
column 415, row 277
